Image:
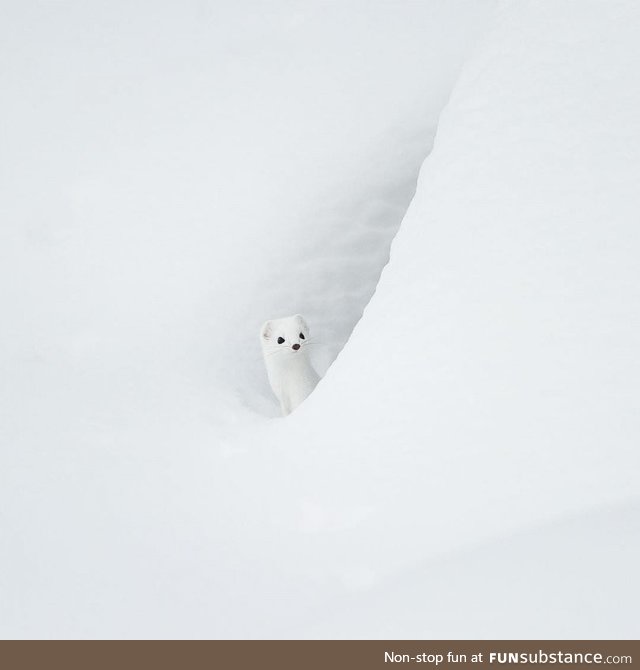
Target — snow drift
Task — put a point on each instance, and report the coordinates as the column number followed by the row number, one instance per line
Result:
column 492, row 383
column 170, row 177
column 483, row 411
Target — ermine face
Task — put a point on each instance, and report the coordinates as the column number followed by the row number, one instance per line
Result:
column 289, row 335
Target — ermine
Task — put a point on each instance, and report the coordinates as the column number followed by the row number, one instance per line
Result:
column 284, row 347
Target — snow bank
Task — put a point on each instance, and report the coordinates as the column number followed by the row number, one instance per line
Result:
column 170, row 177
column 492, row 383
column 174, row 176
column 484, row 409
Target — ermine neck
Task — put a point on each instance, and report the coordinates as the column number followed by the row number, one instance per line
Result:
column 297, row 362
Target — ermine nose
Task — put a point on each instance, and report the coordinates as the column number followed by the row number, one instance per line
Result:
column 295, row 347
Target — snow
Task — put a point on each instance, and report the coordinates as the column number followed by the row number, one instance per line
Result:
column 169, row 180
column 531, row 584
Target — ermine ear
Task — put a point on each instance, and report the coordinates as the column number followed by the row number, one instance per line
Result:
column 265, row 331
column 303, row 324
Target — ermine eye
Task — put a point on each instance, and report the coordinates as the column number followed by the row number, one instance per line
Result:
column 301, row 336
column 281, row 340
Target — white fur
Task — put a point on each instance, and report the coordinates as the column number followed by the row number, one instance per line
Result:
column 290, row 372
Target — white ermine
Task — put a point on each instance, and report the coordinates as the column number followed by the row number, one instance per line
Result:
column 291, row 375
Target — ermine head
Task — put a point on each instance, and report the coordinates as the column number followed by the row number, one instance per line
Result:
column 288, row 336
